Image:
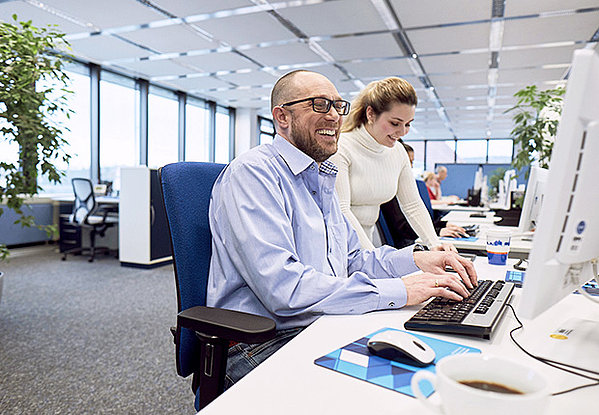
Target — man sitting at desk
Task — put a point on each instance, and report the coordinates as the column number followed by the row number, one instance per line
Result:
column 283, row 249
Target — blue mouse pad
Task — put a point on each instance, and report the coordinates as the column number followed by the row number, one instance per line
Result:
column 355, row 360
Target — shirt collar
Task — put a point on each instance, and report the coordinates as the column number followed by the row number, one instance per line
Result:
column 297, row 160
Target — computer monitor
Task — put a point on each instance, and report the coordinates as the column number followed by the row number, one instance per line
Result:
column 533, row 199
column 566, row 240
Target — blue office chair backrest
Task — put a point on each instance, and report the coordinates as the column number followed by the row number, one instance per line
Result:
column 186, row 189
column 422, row 189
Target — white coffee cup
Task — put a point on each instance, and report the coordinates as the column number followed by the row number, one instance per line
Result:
column 498, row 246
column 459, row 399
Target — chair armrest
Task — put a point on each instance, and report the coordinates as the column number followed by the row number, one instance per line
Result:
column 227, row 324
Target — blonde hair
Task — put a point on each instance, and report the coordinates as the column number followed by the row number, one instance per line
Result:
column 428, row 175
column 379, row 95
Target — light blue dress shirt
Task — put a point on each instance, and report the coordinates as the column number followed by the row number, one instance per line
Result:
column 281, row 247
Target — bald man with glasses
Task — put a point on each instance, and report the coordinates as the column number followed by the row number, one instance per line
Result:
column 283, row 249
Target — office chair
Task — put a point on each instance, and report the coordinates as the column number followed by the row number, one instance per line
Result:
column 392, row 224
column 88, row 214
column 203, row 334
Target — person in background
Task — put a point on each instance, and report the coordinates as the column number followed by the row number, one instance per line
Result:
column 399, row 228
column 282, row 248
column 373, row 169
column 430, row 179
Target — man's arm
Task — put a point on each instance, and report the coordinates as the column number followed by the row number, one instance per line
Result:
column 251, row 222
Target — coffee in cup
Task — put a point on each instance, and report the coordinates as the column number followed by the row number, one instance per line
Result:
column 473, row 383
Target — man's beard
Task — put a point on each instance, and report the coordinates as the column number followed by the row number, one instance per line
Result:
column 309, row 144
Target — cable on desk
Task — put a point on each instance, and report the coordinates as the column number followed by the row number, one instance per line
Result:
column 553, row 363
column 518, row 265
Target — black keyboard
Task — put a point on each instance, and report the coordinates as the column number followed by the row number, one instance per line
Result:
column 476, row 315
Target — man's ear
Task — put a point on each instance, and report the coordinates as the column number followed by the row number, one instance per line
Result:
column 281, row 117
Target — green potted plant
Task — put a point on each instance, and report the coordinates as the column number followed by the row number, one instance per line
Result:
column 535, row 124
column 537, row 115
column 28, row 60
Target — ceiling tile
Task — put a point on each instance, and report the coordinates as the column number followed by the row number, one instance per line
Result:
column 183, row 8
column 104, row 48
column 550, row 29
column 157, row 68
column 290, row 54
column 251, row 78
column 433, row 12
column 38, row 17
column 455, row 63
column 450, row 39
column 520, row 8
column 362, row 47
column 108, row 13
column 177, row 38
column 478, row 78
column 213, row 62
column 382, row 68
column 536, row 56
column 335, row 17
column 246, row 29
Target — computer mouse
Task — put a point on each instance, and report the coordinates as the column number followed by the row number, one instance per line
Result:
column 401, row 347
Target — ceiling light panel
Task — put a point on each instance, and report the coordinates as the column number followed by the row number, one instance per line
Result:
column 433, row 12
column 335, row 17
column 450, row 39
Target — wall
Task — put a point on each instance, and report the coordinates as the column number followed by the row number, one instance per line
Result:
column 246, row 129
column 460, row 176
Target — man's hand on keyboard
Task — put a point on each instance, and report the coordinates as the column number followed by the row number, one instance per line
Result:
column 435, row 263
column 421, row 287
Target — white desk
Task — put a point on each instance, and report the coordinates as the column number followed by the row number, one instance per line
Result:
column 289, row 382
column 462, row 217
column 451, row 207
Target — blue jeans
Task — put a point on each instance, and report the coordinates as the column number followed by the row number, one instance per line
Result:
column 244, row 357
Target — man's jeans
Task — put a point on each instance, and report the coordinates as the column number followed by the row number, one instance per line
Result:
column 244, row 357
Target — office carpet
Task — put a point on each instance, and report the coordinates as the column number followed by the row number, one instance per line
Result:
column 89, row 338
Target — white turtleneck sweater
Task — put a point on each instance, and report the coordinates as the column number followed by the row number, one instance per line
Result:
column 371, row 174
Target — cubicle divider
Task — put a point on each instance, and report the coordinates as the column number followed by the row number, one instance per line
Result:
column 460, row 176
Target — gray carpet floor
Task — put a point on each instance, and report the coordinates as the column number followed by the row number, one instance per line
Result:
column 81, row 338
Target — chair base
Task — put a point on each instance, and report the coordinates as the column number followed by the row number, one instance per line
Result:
column 91, row 251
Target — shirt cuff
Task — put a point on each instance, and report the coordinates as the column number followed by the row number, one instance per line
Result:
column 392, row 293
column 404, row 261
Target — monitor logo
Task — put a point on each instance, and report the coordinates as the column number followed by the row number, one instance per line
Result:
column 580, row 227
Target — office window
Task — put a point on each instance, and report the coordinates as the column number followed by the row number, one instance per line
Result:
column 119, row 126
column 500, row 151
column 266, row 130
column 163, row 127
column 78, row 133
column 439, row 151
column 471, row 151
column 197, row 135
column 8, row 150
column 222, row 146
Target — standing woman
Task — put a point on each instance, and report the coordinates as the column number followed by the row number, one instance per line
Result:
column 372, row 168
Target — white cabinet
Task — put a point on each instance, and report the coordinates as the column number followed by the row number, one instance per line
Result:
column 143, row 229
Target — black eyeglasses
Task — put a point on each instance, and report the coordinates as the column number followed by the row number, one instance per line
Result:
column 323, row 105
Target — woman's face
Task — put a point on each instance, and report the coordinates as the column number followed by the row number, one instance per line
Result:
column 390, row 126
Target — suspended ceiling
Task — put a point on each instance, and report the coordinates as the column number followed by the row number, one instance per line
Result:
column 466, row 58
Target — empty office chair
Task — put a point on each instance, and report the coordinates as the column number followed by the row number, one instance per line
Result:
column 88, row 214
column 425, row 197
column 203, row 334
